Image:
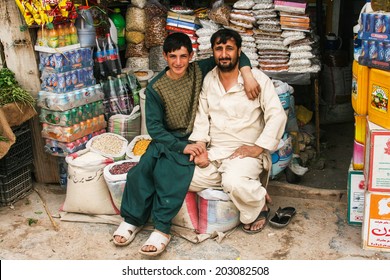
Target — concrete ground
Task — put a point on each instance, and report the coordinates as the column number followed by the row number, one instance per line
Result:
column 319, row 231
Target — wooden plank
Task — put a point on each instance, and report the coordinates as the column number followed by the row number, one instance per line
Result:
column 21, row 58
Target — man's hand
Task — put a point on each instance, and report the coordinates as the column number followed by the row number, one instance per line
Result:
column 251, row 86
column 202, row 160
column 247, row 151
column 195, row 149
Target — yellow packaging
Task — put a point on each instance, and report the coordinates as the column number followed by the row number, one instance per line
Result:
column 360, row 128
column 378, row 100
column 359, row 94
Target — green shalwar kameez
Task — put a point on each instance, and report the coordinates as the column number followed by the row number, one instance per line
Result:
column 158, row 184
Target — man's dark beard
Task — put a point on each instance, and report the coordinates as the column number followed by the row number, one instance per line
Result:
column 227, row 68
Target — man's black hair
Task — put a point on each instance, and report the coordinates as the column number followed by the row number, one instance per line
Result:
column 175, row 41
column 223, row 35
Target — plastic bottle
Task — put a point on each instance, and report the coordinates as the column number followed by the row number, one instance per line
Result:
column 114, row 102
column 74, row 39
column 42, row 37
column 112, row 54
column 68, row 38
column 135, row 88
column 100, row 62
column 120, row 25
column 52, row 38
column 123, row 97
column 61, row 36
column 63, row 172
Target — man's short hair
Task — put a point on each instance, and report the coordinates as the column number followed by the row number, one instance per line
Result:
column 175, row 41
column 223, row 35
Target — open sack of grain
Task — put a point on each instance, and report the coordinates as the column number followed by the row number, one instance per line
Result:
column 137, row 147
column 109, row 145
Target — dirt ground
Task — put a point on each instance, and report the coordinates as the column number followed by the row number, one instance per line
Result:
column 319, row 231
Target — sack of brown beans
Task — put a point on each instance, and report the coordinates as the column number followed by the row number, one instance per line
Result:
column 115, row 175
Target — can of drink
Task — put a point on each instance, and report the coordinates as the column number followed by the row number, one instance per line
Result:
column 386, row 23
column 387, row 51
column 59, row 61
column 75, row 79
column 381, row 51
column 61, row 82
column 80, row 76
column 52, row 60
column 88, row 54
column 371, row 22
column 372, row 50
column 365, row 22
column 379, row 26
column 68, row 79
column 77, row 98
column 66, row 118
column 75, row 115
column 78, row 57
column 88, row 111
column 72, row 58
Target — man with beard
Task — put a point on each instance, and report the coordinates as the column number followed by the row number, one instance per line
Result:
column 157, row 185
column 239, row 133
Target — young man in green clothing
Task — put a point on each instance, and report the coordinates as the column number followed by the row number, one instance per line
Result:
column 158, row 184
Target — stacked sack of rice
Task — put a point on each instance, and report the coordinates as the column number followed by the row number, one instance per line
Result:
column 242, row 20
column 204, row 33
column 137, row 54
column 273, row 55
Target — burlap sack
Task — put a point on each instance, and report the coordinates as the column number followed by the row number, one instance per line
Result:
column 5, row 131
column 17, row 113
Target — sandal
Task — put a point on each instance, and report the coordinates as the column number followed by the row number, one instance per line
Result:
column 264, row 214
column 282, row 217
column 157, row 240
column 126, row 230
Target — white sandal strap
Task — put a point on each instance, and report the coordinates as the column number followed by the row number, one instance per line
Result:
column 157, row 240
column 124, row 230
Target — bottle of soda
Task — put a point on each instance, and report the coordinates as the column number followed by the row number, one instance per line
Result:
column 74, row 39
column 63, row 172
column 114, row 102
column 100, row 62
column 68, row 38
column 123, row 98
column 135, row 88
column 129, row 92
column 52, row 40
column 112, row 57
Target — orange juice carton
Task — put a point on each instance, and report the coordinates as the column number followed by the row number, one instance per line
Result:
column 355, row 196
column 377, row 158
column 376, row 223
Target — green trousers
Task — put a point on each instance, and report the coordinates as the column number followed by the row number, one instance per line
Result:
column 156, row 186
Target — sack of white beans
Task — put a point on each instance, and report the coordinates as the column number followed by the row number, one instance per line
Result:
column 110, row 145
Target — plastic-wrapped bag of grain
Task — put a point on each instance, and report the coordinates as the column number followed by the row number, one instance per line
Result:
column 139, row 3
column 128, row 126
column 109, row 145
column 217, row 213
column 87, row 191
column 137, row 63
column 136, row 50
column 157, row 62
column 187, row 216
column 115, row 175
column 135, row 19
column 134, row 37
column 155, row 32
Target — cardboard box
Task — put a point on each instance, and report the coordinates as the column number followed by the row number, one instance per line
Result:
column 355, row 196
column 376, row 224
column 377, row 158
